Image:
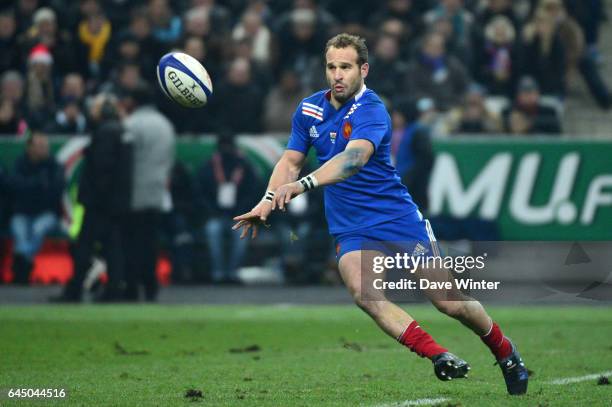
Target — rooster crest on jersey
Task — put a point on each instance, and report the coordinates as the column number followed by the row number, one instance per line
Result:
column 184, row 80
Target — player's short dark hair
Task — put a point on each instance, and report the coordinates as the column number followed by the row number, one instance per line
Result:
column 345, row 40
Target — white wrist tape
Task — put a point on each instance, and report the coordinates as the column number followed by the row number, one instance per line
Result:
column 309, row 182
column 269, row 196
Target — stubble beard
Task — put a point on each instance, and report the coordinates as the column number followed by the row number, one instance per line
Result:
column 349, row 92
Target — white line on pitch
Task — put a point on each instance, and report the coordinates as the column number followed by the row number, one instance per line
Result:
column 418, row 402
column 579, row 379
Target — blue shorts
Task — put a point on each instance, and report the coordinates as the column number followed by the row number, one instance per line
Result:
column 412, row 233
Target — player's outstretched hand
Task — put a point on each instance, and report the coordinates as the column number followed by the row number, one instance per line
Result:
column 253, row 219
column 285, row 193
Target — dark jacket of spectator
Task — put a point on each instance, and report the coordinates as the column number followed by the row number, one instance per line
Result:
column 540, row 120
column 544, row 55
column 237, row 104
column 183, row 191
column 444, row 80
column 106, row 180
column 528, row 115
column 9, row 50
column 36, row 187
column 496, row 56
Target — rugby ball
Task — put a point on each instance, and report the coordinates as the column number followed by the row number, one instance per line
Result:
column 184, row 80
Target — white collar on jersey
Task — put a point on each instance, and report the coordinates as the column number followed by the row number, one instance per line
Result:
column 361, row 92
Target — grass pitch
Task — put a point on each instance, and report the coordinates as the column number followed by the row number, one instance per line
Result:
column 288, row 356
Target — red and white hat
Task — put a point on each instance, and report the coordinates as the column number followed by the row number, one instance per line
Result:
column 40, row 54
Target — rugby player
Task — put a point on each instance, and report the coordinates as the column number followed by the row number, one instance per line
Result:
column 350, row 129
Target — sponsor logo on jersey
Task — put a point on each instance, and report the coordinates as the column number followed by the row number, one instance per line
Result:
column 313, row 132
column 311, row 110
column 347, row 129
column 332, row 136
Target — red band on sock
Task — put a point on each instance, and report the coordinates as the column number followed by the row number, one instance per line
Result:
column 420, row 342
column 498, row 344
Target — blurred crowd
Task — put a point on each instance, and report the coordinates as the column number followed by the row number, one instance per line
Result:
column 88, row 67
column 485, row 66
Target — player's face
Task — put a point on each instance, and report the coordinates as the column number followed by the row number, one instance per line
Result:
column 344, row 75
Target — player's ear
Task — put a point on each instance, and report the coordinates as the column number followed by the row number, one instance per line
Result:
column 365, row 68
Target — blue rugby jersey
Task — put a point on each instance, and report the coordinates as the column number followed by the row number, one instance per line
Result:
column 375, row 194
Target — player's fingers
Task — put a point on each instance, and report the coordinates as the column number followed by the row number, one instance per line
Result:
column 238, row 224
column 265, row 211
column 245, row 230
column 254, row 235
column 281, row 202
column 277, row 200
column 244, row 216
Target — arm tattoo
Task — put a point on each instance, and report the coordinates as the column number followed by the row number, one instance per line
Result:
column 353, row 162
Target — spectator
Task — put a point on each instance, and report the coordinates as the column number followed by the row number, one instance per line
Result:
column 219, row 16
column 69, row 119
column 38, row 175
column 125, row 79
column 473, row 116
column 415, row 154
column 496, row 57
column 197, row 24
column 459, row 21
column 436, row 75
column 73, row 86
column 167, row 26
column 323, row 21
column 260, row 73
column 104, row 191
column 153, row 139
column 237, row 103
column 576, row 56
column 409, row 12
column 9, row 48
column 24, row 13
column 280, row 103
column 139, row 28
column 300, row 45
column 590, row 15
column 544, row 55
column 223, row 179
column 94, row 34
column 11, row 104
column 496, row 8
column 397, row 29
column 58, row 42
column 197, row 48
column 252, row 27
column 529, row 115
column 570, row 33
column 40, row 99
column 129, row 49
column 387, row 69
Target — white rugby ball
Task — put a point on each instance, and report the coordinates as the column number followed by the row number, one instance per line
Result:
column 184, row 80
